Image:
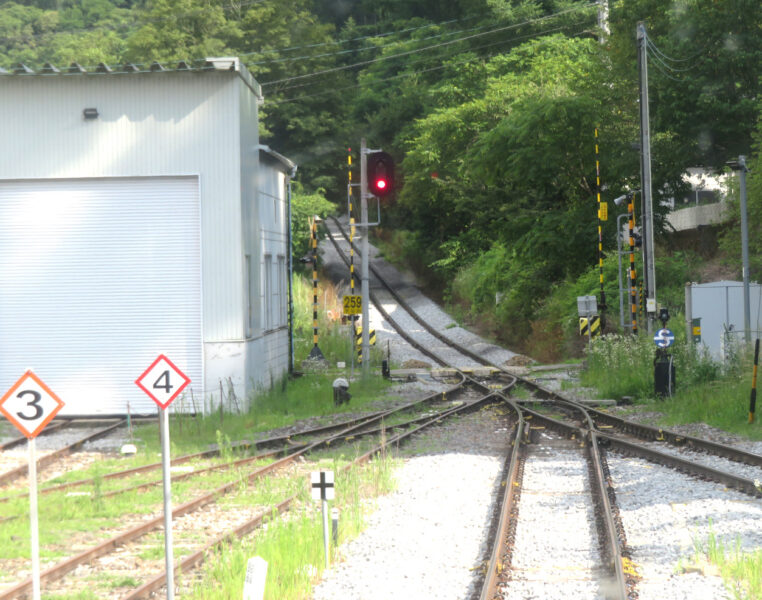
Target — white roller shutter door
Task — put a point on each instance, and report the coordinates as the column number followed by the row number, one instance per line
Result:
column 97, row 277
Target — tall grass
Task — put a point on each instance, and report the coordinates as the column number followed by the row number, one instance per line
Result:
column 292, row 545
column 742, row 571
column 335, row 339
column 706, row 390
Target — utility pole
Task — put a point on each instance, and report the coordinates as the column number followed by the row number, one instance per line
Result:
column 603, row 20
column 745, row 252
column 649, row 270
column 364, row 289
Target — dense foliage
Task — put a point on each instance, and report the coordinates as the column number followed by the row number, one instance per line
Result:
column 489, row 106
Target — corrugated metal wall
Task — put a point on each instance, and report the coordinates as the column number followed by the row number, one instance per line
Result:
column 148, row 124
column 170, row 124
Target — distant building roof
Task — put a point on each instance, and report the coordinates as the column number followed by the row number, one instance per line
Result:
column 227, row 63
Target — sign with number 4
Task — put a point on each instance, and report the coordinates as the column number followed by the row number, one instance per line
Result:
column 30, row 404
column 163, row 381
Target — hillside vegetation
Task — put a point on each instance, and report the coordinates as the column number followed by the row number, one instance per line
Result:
column 490, row 108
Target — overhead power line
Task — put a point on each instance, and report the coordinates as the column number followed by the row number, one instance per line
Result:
column 351, row 50
column 430, row 69
column 425, row 48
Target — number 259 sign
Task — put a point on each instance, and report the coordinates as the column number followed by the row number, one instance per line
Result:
column 30, row 404
column 162, row 381
column 352, row 305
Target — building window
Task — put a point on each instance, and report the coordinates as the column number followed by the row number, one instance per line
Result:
column 249, row 283
column 268, row 291
column 282, row 282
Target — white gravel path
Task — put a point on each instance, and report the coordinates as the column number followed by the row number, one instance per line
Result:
column 426, row 540
column 665, row 513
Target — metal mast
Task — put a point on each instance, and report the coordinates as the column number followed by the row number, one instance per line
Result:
column 649, row 274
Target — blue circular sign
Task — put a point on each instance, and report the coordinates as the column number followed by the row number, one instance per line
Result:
column 664, row 338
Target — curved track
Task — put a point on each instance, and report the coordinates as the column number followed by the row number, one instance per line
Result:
column 595, row 428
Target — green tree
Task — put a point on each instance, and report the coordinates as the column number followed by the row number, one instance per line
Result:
column 174, row 30
column 704, row 71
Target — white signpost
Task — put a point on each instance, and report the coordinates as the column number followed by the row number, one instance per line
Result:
column 322, row 486
column 164, row 382
column 30, row 405
column 256, row 575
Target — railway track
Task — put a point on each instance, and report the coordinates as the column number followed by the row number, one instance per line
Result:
column 16, row 474
column 600, row 433
column 582, row 436
column 136, row 541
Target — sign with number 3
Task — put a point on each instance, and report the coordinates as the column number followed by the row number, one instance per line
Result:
column 30, row 404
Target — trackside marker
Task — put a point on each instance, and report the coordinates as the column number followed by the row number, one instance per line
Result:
column 256, row 574
column 30, row 405
column 163, row 381
column 322, row 486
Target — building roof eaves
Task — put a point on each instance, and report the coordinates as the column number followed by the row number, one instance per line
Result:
column 230, row 63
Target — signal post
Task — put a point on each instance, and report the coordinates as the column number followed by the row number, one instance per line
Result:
column 364, row 286
column 376, row 179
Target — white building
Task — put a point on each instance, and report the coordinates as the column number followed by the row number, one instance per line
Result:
column 139, row 215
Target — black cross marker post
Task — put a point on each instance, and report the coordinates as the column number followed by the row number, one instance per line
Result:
column 323, row 489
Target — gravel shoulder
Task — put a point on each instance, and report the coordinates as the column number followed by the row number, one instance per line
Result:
column 428, row 538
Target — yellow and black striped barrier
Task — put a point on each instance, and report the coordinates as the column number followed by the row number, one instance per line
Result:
column 594, row 326
column 358, row 340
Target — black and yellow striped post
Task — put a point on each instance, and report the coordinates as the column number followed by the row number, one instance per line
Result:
column 315, row 353
column 633, row 275
column 753, row 400
column 350, row 209
column 352, row 231
column 603, row 215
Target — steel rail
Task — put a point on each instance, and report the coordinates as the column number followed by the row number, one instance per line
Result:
column 617, row 588
column 193, row 560
column 60, row 569
column 129, row 472
column 508, row 503
column 747, row 486
column 51, row 428
column 611, row 543
column 57, row 454
column 659, row 434
column 243, row 444
column 401, row 301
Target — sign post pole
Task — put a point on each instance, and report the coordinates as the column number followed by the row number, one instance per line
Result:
column 164, row 382
column 326, row 546
column 322, row 487
column 34, row 526
column 165, row 460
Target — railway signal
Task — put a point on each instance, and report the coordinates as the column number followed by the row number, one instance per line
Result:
column 380, row 174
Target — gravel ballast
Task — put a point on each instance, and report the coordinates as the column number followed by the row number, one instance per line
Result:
column 428, row 538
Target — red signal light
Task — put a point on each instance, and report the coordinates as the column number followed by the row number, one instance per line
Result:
column 380, row 174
